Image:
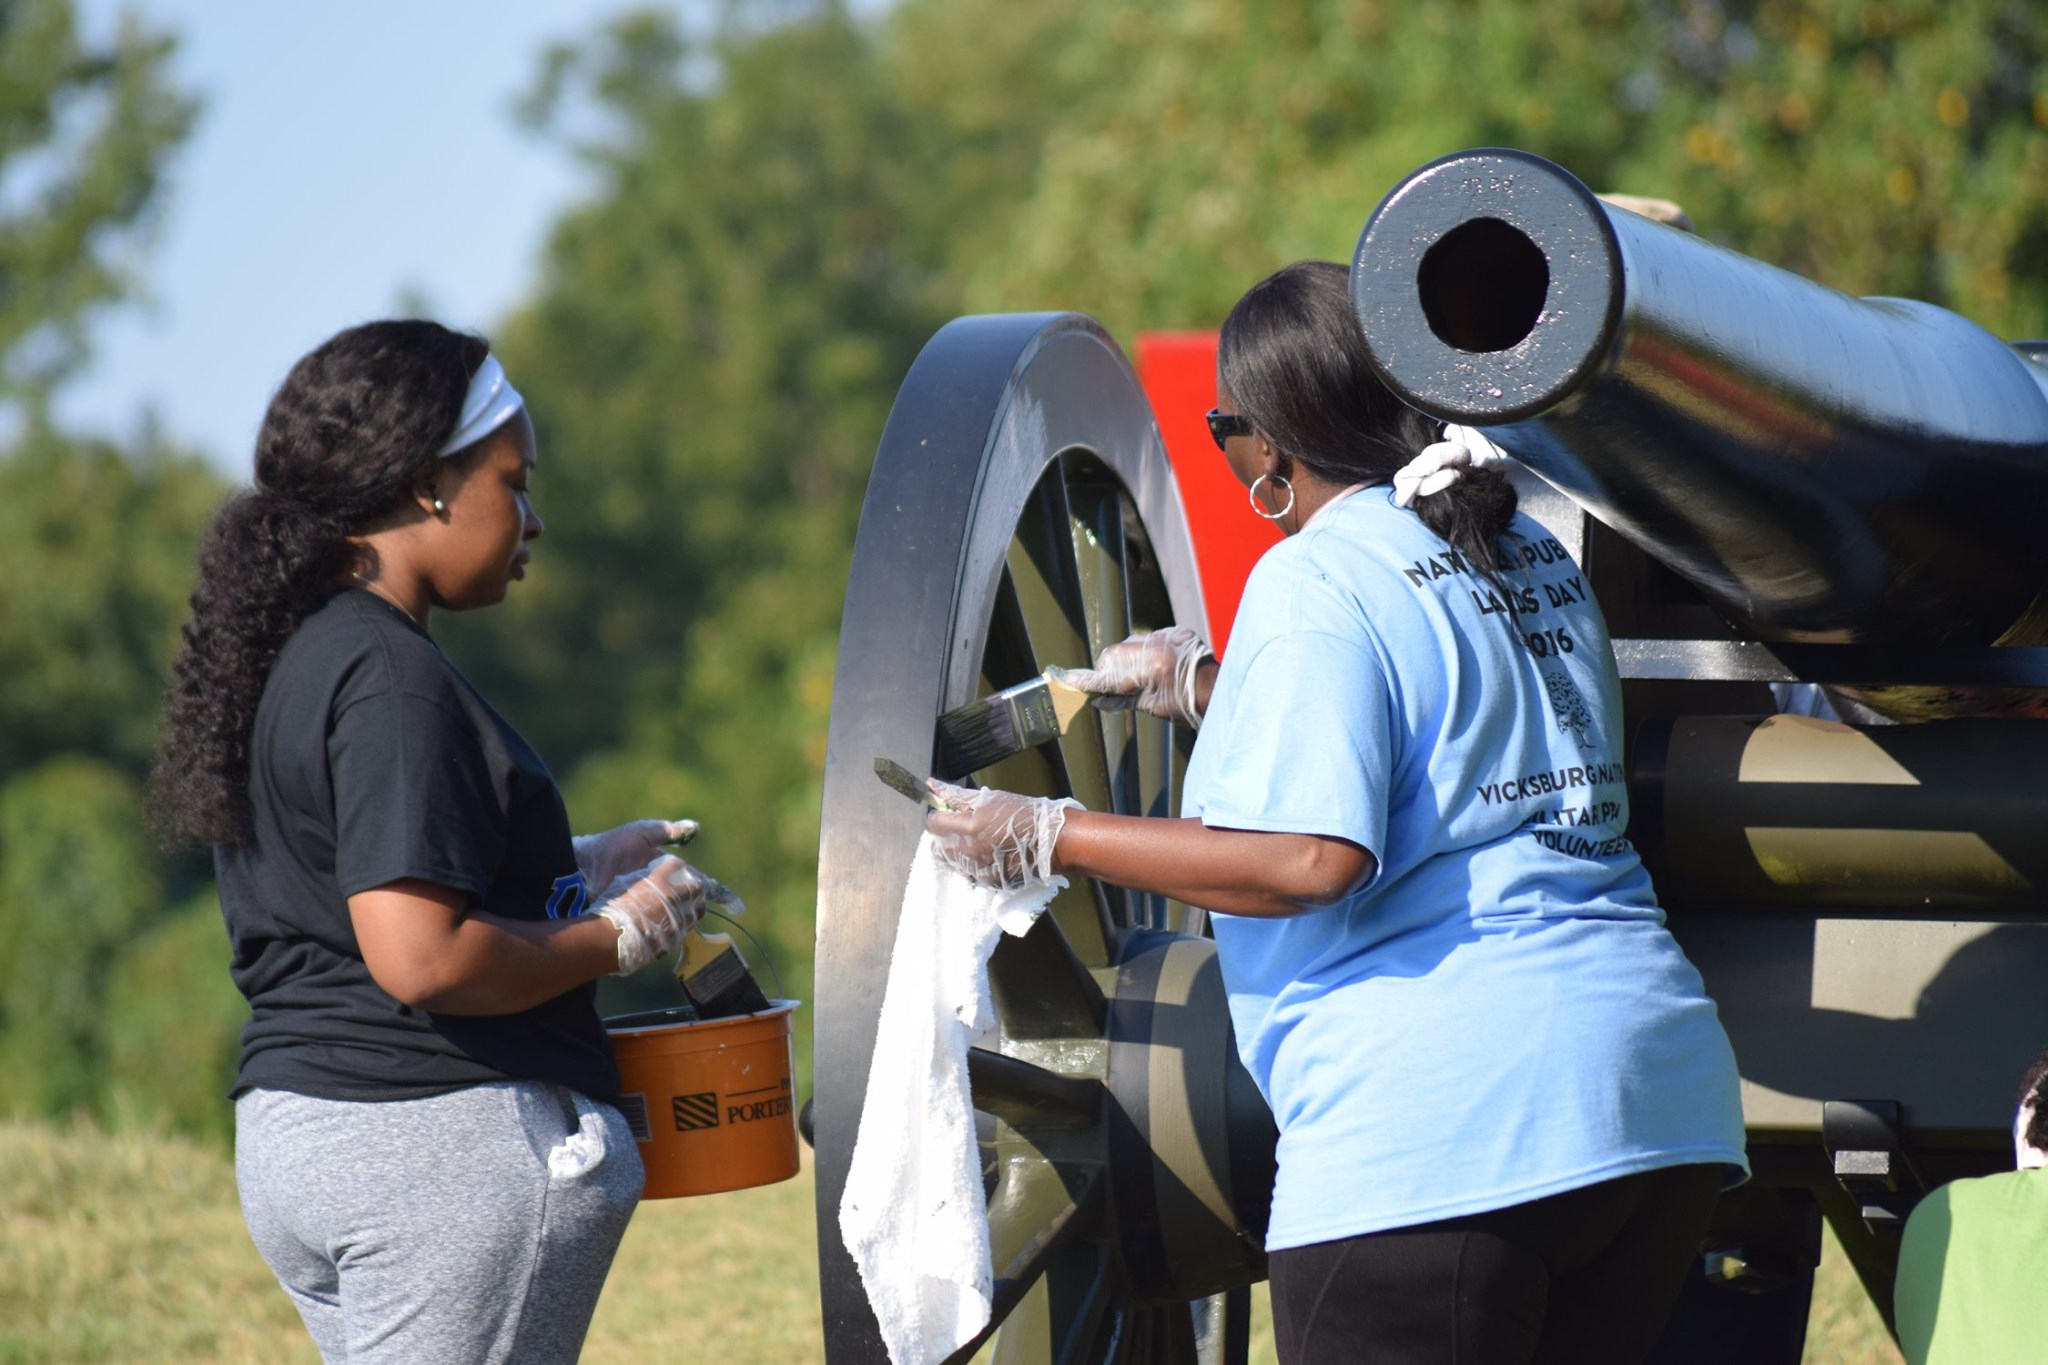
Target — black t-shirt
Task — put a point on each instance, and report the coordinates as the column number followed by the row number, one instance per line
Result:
column 372, row 759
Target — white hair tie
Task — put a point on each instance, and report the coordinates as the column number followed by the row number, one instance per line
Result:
column 1444, row 463
column 489, row 404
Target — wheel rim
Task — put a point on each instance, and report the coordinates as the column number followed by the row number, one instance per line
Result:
column 1021, row 513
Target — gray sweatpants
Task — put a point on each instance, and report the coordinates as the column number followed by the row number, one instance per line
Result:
column 475, row 1226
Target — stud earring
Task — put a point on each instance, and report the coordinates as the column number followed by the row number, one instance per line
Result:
column 440, row 508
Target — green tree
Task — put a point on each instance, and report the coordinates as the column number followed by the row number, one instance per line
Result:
column 78, row 880
column 96, row 560
column 96, row 547
column 1886, row 147
column 171, row 1021
column 1890, row 147
column 1194, row 147
column 84, row 136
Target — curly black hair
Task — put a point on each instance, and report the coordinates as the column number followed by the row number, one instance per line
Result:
column 2034, row 1092
column 1293, row 360
column 349, row 435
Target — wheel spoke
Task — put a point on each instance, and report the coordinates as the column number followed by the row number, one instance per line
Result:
column 1159, row 748
column 1223, row 1327
column 1095, row 508
column 1085, row 1297
column 1030, row 1098
column 1152, row 774
column 1174, row 1340
column 1007, row 659
column 1037, row 1206
column 1133, row 1345
column 1081, row 911
column 1050, row 601
column 1062, row 1319
column 1098, row 509
column 1042, row 988
column 1041, row 1214
column 1041, row 564
column 1152, row 610
column 1158, row 793
column 1049, row 592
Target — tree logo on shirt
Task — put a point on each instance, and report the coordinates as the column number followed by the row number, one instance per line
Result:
column 569, row 897
column 1570, row 707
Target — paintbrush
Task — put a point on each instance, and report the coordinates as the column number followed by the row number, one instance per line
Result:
column 1015, row 719
column 899, row 778
column 715, row 977
column 710, row 970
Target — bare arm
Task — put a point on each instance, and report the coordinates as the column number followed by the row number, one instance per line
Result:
column 1205, row 683
column 428, row 951
column 1234, row 871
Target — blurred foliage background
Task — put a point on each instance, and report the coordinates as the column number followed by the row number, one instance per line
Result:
column 788, row 203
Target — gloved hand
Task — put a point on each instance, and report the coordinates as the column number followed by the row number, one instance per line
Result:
column 996, row 838
column 652, row 909
column 1155, row 673
column 604, row 858
column 722, row 898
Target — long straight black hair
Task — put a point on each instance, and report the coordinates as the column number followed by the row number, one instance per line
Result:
column 353, row 429
column 1292, row 359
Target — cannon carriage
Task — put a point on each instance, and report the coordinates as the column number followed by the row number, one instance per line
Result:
column 1766, row 483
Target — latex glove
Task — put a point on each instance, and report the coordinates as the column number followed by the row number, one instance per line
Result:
column 652, row 909
column 1444, row 463
column 996, row 838
column 719, row 896
column 1155, row 673
column 604, row 858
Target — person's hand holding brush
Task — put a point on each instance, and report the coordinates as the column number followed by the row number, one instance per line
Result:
column 652, row 910
column 1165, row 673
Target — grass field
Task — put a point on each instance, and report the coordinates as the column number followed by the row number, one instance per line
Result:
column 126, row 1249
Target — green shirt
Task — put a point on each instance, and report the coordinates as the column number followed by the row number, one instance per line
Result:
column 1973, row 1273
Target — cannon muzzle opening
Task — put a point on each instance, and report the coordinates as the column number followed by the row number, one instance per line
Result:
column 1482, row 287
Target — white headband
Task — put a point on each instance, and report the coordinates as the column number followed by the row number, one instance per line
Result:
column 488, row 405
column 1444, row 463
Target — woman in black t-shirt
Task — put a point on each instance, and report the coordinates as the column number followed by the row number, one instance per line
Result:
column 427, row 1147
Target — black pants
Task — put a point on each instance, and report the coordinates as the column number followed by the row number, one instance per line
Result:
column 1586, row 1277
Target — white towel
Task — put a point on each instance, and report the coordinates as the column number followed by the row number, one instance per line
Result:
column 912, row 1212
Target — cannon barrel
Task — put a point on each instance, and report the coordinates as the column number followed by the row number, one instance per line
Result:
column 1825, row 468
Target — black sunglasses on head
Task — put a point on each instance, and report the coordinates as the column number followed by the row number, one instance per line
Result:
column 1224, row 425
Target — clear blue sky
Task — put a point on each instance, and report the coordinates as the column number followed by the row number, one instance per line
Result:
column 348, row 153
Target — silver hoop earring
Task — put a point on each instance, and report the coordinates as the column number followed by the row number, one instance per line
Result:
column 1280, row 479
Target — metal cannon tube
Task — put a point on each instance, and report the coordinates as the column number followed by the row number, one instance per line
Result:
column 1825, row 468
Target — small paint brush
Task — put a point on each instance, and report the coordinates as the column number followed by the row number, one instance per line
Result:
column 899, row 778
column 1015, row 719
column 715, row 977
column 710, row 970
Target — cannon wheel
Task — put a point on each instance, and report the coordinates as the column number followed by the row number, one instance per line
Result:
column 1021, row 513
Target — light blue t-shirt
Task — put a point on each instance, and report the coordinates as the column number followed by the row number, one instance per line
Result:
column 1499, row 1015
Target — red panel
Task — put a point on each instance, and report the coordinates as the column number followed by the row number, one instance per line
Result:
column 1178, row 370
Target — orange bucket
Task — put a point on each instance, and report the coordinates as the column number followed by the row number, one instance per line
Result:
column 710, row 1101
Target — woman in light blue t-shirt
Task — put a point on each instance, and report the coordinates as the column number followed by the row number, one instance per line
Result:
column 1506, row 1105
